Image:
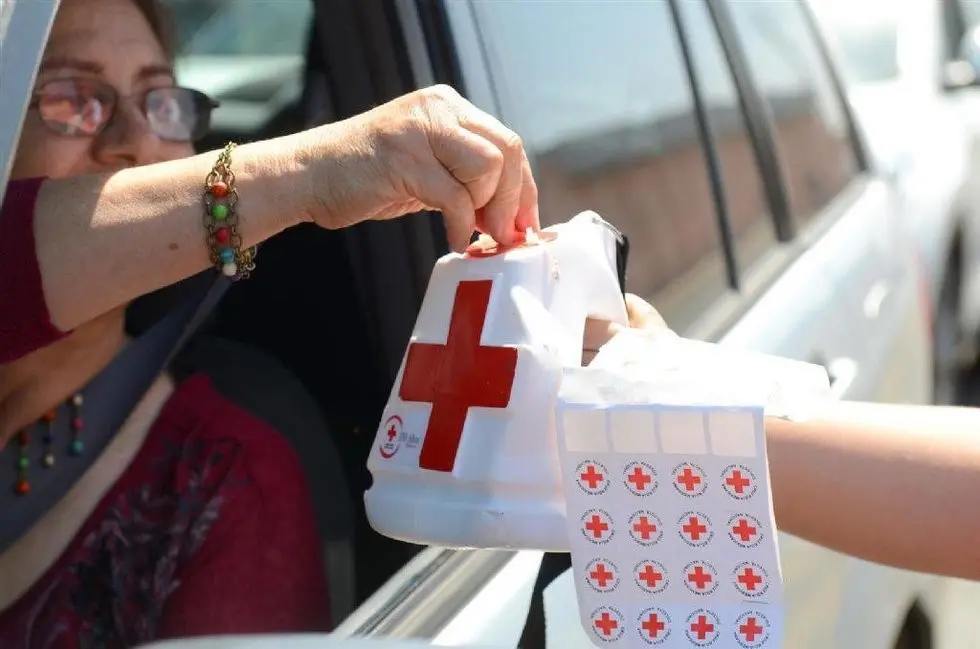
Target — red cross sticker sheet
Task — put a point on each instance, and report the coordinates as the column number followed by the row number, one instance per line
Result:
column 669, row 514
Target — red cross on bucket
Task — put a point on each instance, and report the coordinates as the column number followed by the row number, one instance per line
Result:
column 639, row 479
column 597, row 526
column 701, row 627
column 650, row 576
column 457, row 376
column 737, row 481
column 744, row 530
column 750, row 629
column 601, row 575
column 700, row 578
column 606, row 624
column 591, row 477
column 688, row 479
column 749, row 579
column 694, row 528
column 653, row 625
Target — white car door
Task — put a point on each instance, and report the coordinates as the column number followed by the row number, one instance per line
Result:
column 593, row 115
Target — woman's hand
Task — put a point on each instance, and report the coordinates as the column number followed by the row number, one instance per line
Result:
column 430, row 149
column 598, row 332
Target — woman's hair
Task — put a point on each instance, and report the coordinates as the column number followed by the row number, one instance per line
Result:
column 160, row 22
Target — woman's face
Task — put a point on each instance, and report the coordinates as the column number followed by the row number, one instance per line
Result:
column 97, row 42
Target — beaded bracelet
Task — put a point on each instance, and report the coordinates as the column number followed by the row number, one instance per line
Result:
column 221, row 220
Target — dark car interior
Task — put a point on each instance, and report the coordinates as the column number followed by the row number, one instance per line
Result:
column 320, row 327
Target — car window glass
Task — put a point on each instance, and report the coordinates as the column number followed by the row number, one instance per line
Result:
column 810, row 124
column 864, row 35
column 971, row 12
column 600, row 94
column 748, row 210
column 248, row 54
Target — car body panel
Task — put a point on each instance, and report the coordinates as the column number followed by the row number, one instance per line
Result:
column 851, row 294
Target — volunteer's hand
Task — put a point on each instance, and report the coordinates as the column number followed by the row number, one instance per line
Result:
column 430, row 149
column 642, row 315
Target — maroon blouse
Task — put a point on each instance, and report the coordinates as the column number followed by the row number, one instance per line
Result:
column 210, row 530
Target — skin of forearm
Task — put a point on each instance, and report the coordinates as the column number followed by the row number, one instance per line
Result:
column 103, row 240
column 892, row 484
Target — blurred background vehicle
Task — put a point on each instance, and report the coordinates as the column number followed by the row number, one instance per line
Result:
column 802, row 191
column 912, row 69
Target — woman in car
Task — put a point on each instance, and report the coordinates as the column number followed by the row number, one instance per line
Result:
column 195, row 519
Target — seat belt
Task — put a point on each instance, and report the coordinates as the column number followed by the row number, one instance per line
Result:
column 109, row 399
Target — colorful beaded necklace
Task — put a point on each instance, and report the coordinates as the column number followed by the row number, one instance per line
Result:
column 22, row 486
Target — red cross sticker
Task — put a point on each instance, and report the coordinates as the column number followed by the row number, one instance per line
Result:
column 751, row 579
column 753, row 629
column 457, row 376
column 592, row 478
column 651, row 576
column 739, row 482
column 700, row 578
column 607, row 623
column 689, row 480
column 695, row 529
column 390, row 444
column 654, row 624
column 640, row 478
column 596, row 526
column 602, row 575
column 702, row 627
column 645, row 528
column 750, row 629
column 744, row 530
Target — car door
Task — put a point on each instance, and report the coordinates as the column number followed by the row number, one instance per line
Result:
column 838, row 199
column 603, row 99
column 606, row 104
column 848, row 218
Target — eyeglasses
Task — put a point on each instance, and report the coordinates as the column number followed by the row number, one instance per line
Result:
column 84, row 107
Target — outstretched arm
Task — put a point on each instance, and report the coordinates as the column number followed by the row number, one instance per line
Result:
column 103, row 240
column 888, row 483
column 893, row 484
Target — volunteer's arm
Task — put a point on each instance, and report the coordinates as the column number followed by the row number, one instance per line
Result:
column 892, row 484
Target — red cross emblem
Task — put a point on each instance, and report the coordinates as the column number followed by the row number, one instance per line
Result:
column 700, row 578
column 646, row 528
column 745, row 530
column 702, row 627
column 751, row 579
column 457, row 376
column 602, row 575
column 739, row 482
column 751, row 629
column 651, row 576
column 654, row 625
column 640, row 478
column 689, row 480
column 695, row 529
column 597, row 526
column 390, row 443
column 591, row 478
column 607, row 623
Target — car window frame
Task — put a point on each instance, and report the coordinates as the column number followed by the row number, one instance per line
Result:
column 788, row 224
column 794, row 237
column 24, row 30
